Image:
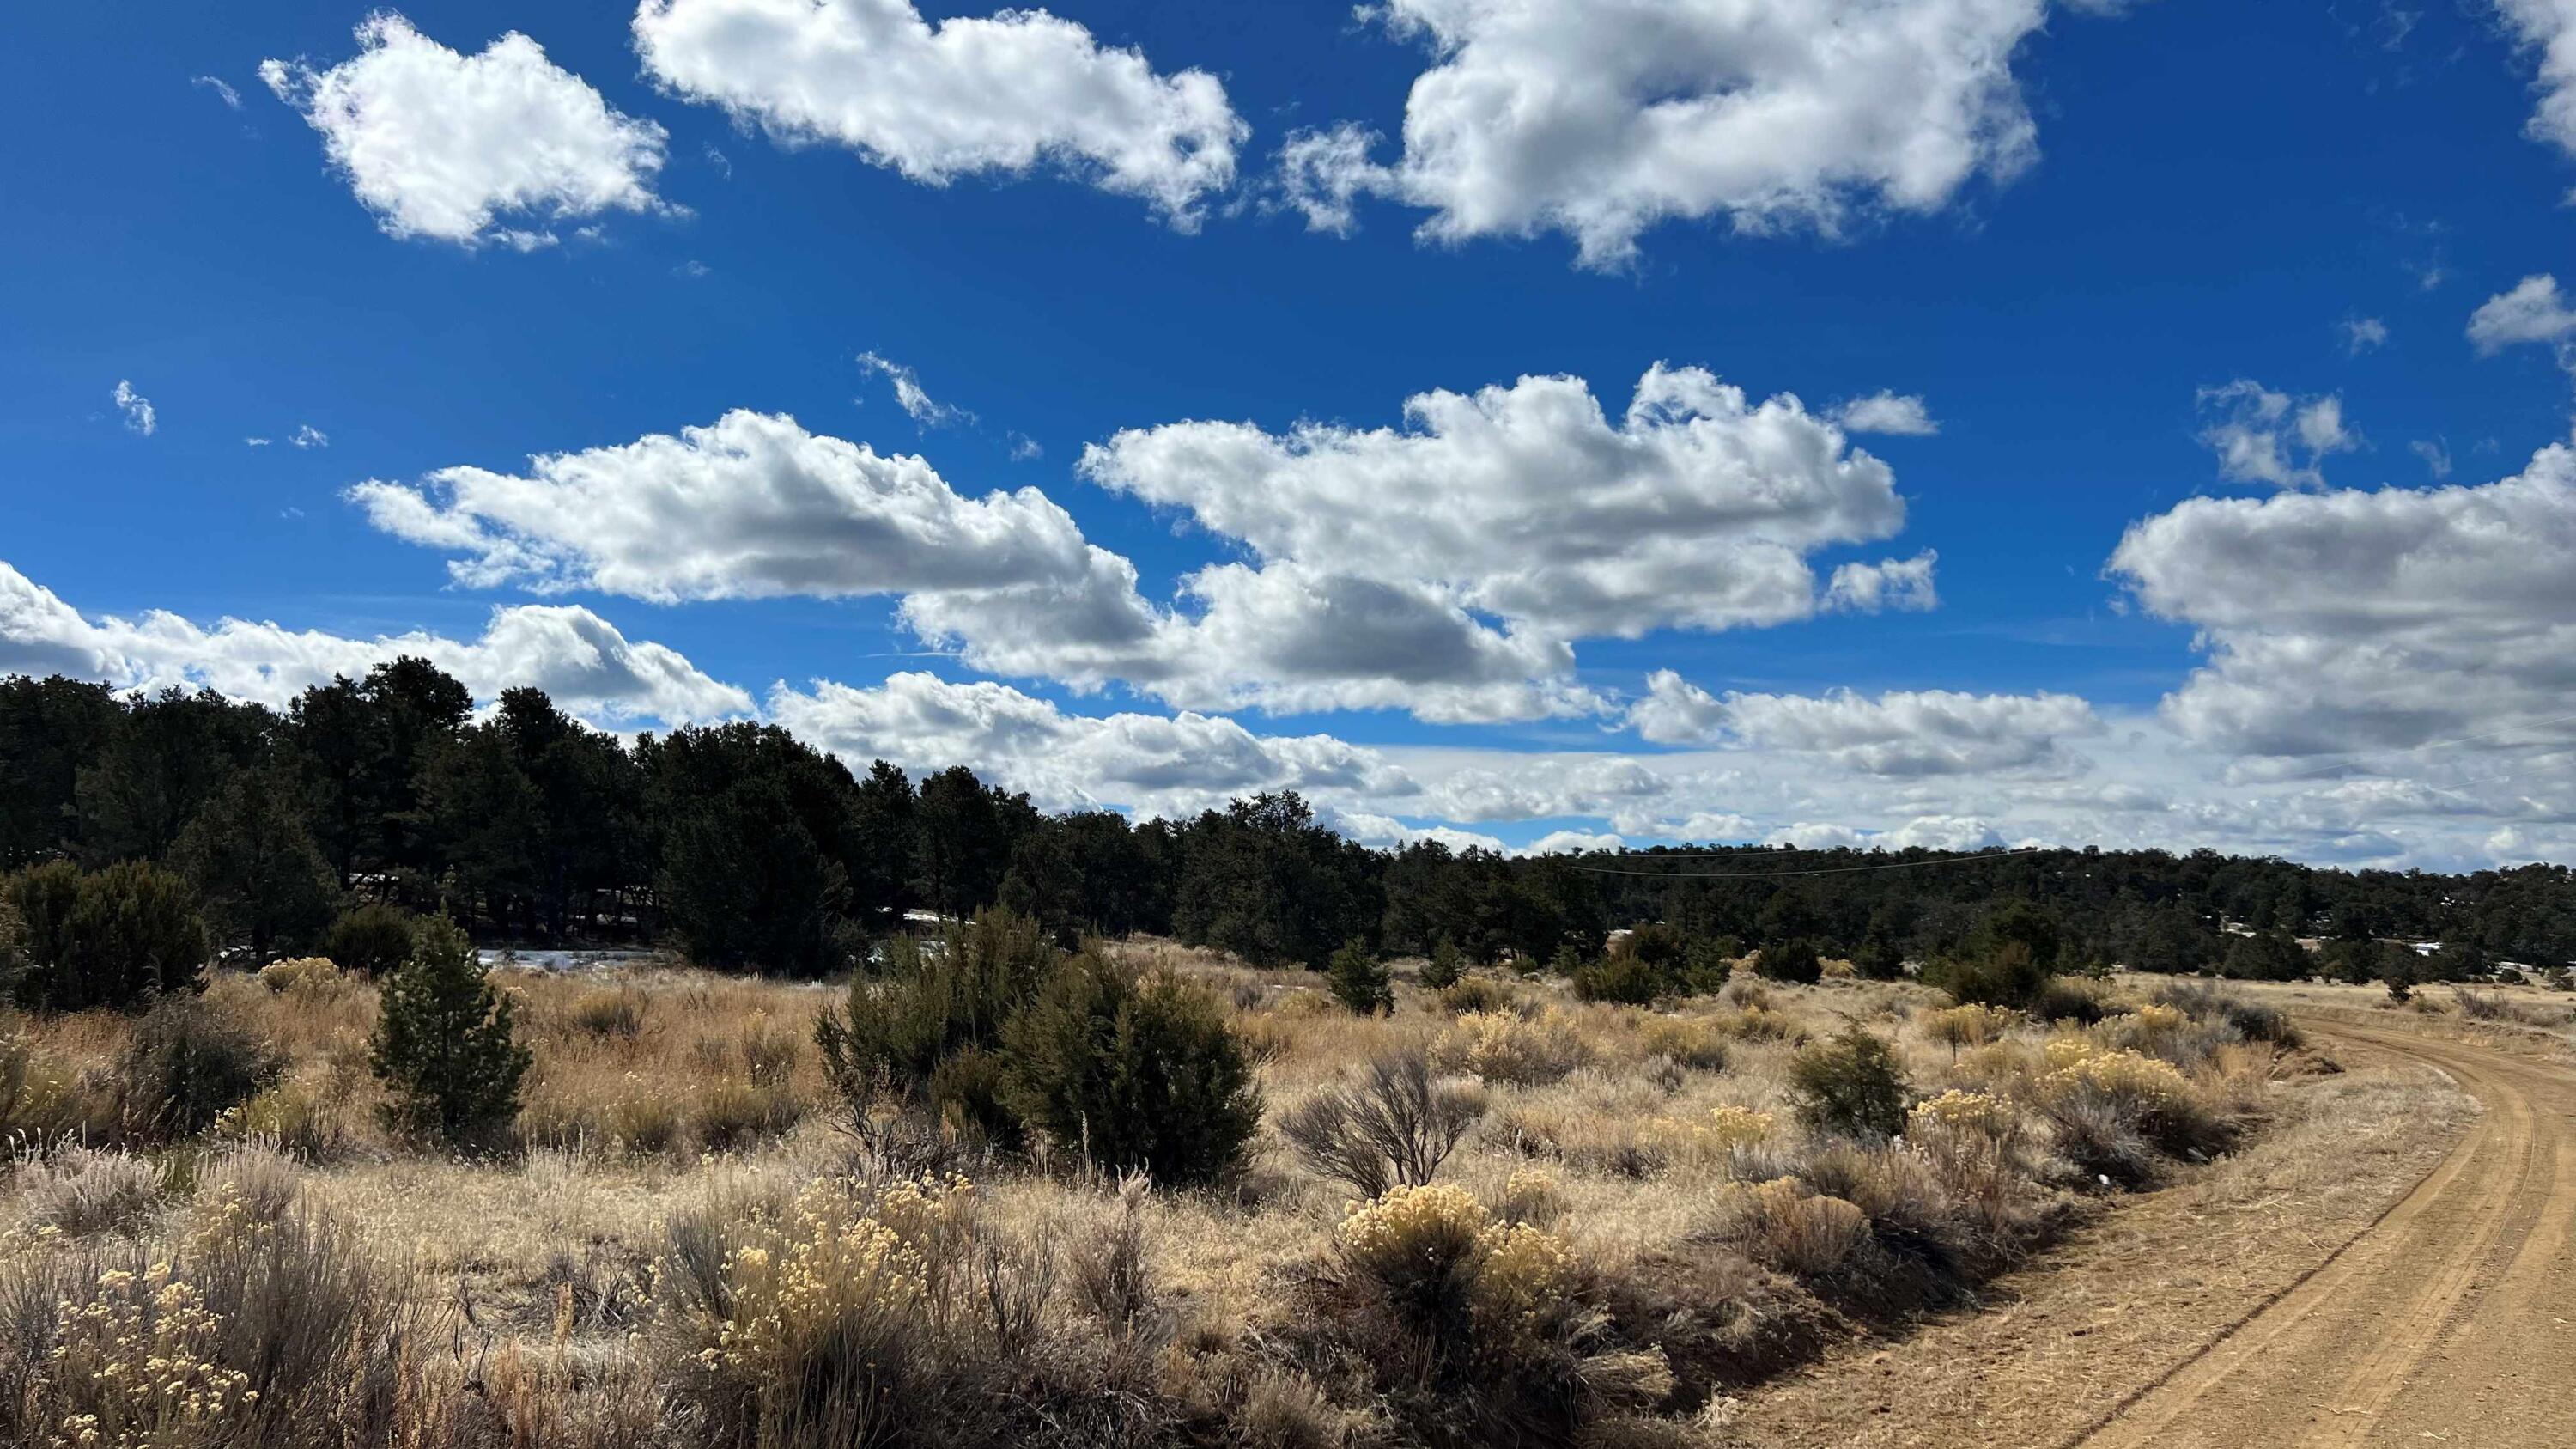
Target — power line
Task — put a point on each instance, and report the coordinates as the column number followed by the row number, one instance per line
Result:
column 1819, row 870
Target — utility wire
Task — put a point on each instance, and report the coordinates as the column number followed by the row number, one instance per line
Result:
column 1819, row 870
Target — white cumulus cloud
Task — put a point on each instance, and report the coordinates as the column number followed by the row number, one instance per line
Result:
column 2348, row 621
column 1896, row 414
column 1697, row 507
column 1157, row 764
column 571, row 653
column 750, row 506
column 1600, row 119
column 1898, row 733
column 2548, row 27
column 2534, row 311
column 967, row 95
column 486, row 148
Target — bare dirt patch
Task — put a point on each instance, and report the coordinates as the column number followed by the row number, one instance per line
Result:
column 2061, row 1346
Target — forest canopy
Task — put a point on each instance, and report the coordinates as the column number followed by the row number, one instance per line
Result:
column 747, row 848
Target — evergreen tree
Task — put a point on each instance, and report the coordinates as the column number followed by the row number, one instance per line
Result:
column 446, row 1045
column 262, row 880
column 1359, row 980
column 48, row 727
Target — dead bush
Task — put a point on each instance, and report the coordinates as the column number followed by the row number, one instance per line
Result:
column 1391, row 1127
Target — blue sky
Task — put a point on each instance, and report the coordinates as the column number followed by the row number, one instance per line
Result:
column 2312, row 200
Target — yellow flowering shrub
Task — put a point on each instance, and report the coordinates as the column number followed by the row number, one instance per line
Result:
column 1970, row 1113
column 1424, row 1245
column 133, row 1367
column 1730, row 1126
column 1786, row 1225
column 821, row 1319
column 300, row 973
column 2123, row 1075
column 1698, row 1042
column 1755, row 1022
column 1499, row 1046
column 1531, row 1195
column 1970, row 1025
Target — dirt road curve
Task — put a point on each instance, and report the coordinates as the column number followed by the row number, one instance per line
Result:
column 2453, row 1319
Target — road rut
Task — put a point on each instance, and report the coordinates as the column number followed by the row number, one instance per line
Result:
column 2452, row 1318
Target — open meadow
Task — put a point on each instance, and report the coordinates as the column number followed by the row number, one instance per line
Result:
column 695, row 1230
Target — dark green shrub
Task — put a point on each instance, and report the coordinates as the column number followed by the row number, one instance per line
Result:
column 2008, row 974
column 2063, row 1000
column 1446, row 964
column 1794, row 960
column 1138, row 1073
column 2266, row 956
column 374, row 938
column 968, row 1093
column 13, row 947
column 1849, row 1085
column 116, row 937
column 188, row 1062
column 1879, row 958
column 1625, row 979
column 1359, row 980
column 932, row 1000
column 446, row 1046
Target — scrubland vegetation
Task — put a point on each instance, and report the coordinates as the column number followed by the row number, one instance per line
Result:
column 991, row 1191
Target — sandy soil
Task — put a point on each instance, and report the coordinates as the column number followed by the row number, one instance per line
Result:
column 2393, row 1266
column 2449, row 1319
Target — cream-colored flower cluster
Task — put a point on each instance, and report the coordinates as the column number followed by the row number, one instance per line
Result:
column 1517, row 1275
column 845, row 1256
column 1968, row 1113
column 136, row 1361
column 1500, row 1046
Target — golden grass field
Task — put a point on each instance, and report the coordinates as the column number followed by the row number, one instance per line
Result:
column 1637, row 1226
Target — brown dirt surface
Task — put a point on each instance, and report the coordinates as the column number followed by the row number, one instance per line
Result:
column 2374, row 1274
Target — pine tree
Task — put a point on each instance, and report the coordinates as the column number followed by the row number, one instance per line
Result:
column 445, row 1044
column 1359, row 980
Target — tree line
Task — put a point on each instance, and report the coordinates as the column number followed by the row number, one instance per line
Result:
column 748, row 849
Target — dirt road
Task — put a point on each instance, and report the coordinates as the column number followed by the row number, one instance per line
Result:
column 2452, row 1319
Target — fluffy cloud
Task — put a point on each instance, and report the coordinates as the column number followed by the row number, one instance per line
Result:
column 750, row 506
column 2262, row 436
column 1444, row 569
column 1925, row 732
column 2549, row 27
column 1924, row 832
column 755, row 506
column 2350, row 621
column 2532, row 312
column 1599, row 121
column 1697, row 508
column 1896, row 414
column 137, row 408
column 446, row 146
column 967, row 95
column 1282, row 638
column 1156, row 764
column 309, row 436
column 2364, row 334
column 572, row 654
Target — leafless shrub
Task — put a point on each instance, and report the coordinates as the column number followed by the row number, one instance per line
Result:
column 1392, row 1127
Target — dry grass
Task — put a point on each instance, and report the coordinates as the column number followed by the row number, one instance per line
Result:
column 689, row 1248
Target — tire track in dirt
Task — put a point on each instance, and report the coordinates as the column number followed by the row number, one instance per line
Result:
column 2445, row 1319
